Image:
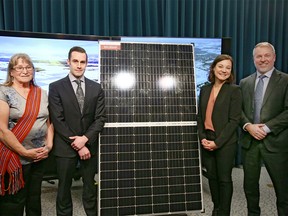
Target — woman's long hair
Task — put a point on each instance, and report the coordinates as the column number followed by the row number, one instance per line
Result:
column 13, row 62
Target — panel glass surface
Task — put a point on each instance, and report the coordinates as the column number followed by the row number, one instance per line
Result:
column 149, row 154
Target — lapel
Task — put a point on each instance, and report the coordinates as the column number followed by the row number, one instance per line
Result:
column 87, row 93
column 220, row 99
column 271, row 86
column 206, row 95
column 70, row 93
column 251, row 89
column 221, row 95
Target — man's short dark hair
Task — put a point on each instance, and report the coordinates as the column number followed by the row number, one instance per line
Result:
column 77, row 49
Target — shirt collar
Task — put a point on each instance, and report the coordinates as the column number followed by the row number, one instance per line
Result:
column 72, row 78
column 267, row 74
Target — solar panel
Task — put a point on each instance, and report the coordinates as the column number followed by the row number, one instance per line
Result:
column 149, row 153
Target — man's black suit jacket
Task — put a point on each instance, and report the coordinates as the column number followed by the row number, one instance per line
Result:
column 69, row 121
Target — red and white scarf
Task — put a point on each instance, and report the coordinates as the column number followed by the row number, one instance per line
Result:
column 9, row 160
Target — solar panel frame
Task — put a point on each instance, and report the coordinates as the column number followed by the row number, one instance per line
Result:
column 149, row 152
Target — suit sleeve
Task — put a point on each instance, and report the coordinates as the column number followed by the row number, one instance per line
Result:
column 99, row 119
column 234, row 117
column 244, row 92
column 56, row 111
column 277, row 108
column 200, row 120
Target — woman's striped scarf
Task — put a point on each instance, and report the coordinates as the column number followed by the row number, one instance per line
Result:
column 9, row 160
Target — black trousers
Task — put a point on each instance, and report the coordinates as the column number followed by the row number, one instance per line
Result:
column 28, row 197
column 219, row 164
column 66, row 168
column 276, row 164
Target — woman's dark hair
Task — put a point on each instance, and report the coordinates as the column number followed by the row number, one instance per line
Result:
column 219, row 58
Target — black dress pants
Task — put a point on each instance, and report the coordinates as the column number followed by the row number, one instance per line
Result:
column 66, row 168
column 29, row 197
column 219, row 164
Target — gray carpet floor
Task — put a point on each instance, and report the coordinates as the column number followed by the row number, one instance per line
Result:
column 267, row 201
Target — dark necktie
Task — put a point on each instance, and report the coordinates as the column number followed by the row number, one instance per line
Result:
column 80, row 94
column 258, row 98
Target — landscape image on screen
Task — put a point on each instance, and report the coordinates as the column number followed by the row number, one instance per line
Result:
column 49, row 57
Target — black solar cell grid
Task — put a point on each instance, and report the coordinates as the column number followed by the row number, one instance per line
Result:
column 149, row 154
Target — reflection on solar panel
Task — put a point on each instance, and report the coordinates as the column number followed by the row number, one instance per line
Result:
column 149, row 154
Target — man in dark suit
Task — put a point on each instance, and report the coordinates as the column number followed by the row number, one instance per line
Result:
column 265, row 135
column 77, row 126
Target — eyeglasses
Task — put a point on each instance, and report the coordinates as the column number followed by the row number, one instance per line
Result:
column 20, row 69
